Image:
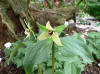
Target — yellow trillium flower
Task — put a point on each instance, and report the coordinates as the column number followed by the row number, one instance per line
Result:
column 50, row 33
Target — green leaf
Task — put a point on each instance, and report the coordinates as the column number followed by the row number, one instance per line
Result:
column 59, row 72
column 74, row 47
column 74, row 52
column 15, row 50
column 93, row 43
column 59, row 28
column 42, row 27
column 48, row 71
column 95, row 35
column 18, row 62
column 36, row 54
column 71, row 68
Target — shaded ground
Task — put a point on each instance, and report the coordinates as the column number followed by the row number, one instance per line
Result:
column 11, row 69
column 91, row 69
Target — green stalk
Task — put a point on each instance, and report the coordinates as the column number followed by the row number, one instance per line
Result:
column 39, row 65
column 53, row 58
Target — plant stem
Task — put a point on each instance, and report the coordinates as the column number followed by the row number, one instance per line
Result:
column 39, row 65
column 53, row 58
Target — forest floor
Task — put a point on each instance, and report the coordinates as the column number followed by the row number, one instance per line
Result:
column 85, row 24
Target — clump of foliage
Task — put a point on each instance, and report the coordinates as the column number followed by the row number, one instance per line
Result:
column 45, row 56
column 93, row 8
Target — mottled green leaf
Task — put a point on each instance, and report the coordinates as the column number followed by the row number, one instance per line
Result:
column 36, row 54
column 74, row 47
column 70, row 68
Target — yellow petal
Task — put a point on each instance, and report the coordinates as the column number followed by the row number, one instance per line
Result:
column 44, row 36
column 56, row 39
column 48, row 26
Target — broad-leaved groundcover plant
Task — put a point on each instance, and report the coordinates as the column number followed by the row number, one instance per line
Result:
column 51, row 54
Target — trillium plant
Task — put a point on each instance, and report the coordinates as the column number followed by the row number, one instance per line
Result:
column 51, row 33
column 50, row 54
